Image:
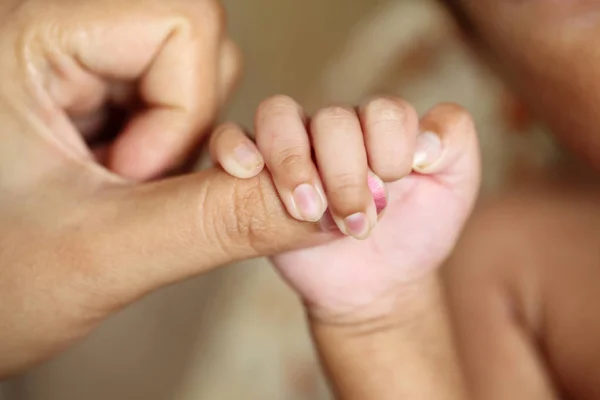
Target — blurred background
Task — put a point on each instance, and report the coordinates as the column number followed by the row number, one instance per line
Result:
column 239, row 332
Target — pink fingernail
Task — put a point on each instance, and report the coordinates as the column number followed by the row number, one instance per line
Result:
column 357, row 225
column 248, row 157
column 308, row 202
column 378, row 191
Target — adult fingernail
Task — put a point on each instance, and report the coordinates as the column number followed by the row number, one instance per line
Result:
column 248, row 157
column 357, row 225
column 428, row 150
column 308, row 202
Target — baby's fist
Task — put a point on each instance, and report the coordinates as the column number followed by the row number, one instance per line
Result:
column 332, row 168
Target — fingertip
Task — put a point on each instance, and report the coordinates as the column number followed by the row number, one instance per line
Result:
column 233, row 150
column 448, row 143
column 390, row 127
column 428, row 151
column 244, row 162
column 307, row 203
column 358, row 225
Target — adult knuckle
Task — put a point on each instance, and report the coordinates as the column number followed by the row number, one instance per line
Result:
column 244, row 223
column 254, row 216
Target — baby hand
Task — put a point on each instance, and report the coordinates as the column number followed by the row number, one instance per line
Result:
column 332, row 168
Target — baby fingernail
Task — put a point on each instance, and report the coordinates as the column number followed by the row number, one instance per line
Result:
column 377, row 188
column 248, row 157
column 428, row 150
column 357, row 225
column 308, row 202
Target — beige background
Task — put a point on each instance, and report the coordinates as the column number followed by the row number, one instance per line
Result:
column 239, row 332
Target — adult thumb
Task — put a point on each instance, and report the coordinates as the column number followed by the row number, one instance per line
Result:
column 148, row 236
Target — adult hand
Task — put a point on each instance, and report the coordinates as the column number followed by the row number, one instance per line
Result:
column 79, row 239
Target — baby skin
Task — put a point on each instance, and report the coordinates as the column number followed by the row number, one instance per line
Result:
column 397, row 189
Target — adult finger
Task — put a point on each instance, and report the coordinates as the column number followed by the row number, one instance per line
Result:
column 139, row 238
column 172, row 50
